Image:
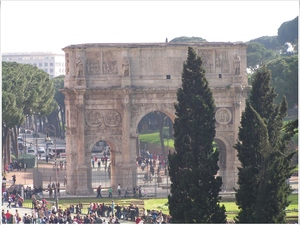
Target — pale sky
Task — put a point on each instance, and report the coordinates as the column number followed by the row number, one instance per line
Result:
column 30, row 26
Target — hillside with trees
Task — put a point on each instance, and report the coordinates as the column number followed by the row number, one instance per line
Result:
column 279, row 53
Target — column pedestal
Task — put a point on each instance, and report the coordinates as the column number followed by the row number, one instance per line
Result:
column 82, row 188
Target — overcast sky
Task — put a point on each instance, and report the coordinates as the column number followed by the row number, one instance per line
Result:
column 30, row 26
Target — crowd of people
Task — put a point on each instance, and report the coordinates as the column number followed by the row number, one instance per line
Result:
column 150, row 163
column 96, row 213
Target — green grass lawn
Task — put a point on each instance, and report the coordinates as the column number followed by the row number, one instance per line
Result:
column 153, row 138
column 162, row 204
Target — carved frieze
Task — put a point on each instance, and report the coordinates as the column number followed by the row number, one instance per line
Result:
column 112, row 118
column 109, row 64
column 223, row 116
column 207, row 58
column 222, row 61
column 94, row 118
column 138, row 108
column 93, row 66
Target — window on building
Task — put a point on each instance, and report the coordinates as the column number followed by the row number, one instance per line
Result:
column 51, row 70
column 40, row 64
column 46, row 70
column 34, row 64
column 45, row 64
column 51, row 64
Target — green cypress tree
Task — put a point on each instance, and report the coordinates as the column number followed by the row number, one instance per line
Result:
column 262, row 151
column 194, row 164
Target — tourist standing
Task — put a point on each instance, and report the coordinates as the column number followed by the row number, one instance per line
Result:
column 119, row 190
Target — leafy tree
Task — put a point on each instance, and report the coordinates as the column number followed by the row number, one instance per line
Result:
column 57, row 116
column 288, row 32
column 257, row 55
column 263, row 153
column 269, row 42
column 26, row 90
column 188, row 39
column 194, row 164
column 285, row 78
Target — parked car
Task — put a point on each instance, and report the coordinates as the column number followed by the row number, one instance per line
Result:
column 31, row 151
column 41, row 152
column 49, row 142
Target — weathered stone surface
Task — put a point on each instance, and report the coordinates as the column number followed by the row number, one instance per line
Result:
column 109, row 88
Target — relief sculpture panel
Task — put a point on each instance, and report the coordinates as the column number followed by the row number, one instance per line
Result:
column 223, row 116
column 109, row 65
column 112, row 118
column 207, row 58
column 94, row 118
column 93, row 66
column 222, row 61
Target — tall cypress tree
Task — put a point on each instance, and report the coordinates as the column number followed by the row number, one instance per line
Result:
column 262, row 151
column 194, row 164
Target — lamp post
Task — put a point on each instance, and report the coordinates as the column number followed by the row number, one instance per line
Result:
column 47, row 128
column 37, row 154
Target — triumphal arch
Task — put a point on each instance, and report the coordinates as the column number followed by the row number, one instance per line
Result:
column 109, row 88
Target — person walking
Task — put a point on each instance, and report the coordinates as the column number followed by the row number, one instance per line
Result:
column 14, row 179
column 110, row 192
column 93, row 162
column 99, row 192
column 17, row 217
column 126, row 192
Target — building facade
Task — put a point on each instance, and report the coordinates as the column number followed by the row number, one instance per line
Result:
column 109, row 88
column 51, row 63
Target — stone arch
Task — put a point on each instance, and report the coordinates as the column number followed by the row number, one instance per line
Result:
column 226, row 162
column 152, row 85
column 166, row 110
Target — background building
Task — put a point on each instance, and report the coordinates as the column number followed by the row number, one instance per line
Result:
column 51, row 63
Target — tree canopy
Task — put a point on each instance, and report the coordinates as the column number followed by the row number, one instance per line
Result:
column 263, row 154
column 288, row 32
column 257, row 54
column 188, row 39
column 269, row 42
column 285, row 78
column 194, row 164
column 26, row 90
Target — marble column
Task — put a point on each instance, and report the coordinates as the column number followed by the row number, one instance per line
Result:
column 82, row 168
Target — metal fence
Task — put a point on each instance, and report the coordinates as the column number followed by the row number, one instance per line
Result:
column 150, row 186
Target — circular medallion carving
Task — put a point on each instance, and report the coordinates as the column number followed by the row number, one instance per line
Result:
column 223, row 116
column 112, row 118
column 94, row 118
